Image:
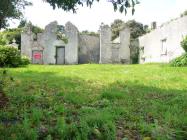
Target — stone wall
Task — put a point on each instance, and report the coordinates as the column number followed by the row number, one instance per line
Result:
column 124, row 52
column 47, row 42
column 71, row 50
column 111, row 51
column 89, row 49
column 105, row 44
column 26, row 42
column 42, row 48
column 163, row 43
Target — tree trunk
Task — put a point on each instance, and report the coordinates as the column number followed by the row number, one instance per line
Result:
column 1, row 23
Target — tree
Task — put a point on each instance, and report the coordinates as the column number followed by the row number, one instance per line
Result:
column 8, row 35
column 116, row 27
column 136, row 28
column 22, row 23
column 69, row 5
column 184, row 13
column 11, row 9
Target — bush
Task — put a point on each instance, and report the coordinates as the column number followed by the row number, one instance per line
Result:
column 25, row 60
column 184, row 44
column 11, row 57
column 180, row 61
column 7, row 36
column 184, row 13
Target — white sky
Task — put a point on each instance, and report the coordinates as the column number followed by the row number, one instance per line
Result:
column 90, row 19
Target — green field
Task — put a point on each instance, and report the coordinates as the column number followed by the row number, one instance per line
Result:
column 95, row 102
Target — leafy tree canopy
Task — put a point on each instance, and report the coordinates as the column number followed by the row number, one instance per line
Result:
column 69, row 5
column 116, row 27
column 35, row 29
column 11, row 9
column 137, row 29
column 184, row 13
column 8, row 35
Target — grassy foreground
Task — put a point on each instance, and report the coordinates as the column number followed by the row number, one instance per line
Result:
column 104, row 102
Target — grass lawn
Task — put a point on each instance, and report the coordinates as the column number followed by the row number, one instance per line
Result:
column 95, row 102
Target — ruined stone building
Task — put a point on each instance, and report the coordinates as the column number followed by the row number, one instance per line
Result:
column 116, row 51
column 162, row 44
column 48, row 47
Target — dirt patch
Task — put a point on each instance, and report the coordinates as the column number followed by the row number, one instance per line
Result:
column 3, row 100
column 159, row 96
column 124, row 132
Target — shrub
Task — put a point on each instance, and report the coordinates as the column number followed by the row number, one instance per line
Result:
column 7, row 36
column 11, row 57
column 180, row 61
column 184, row 44
column 184, row 13
column 25, row 60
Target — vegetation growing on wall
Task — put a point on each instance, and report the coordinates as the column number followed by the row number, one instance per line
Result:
column 61, row 34
column 86, row 32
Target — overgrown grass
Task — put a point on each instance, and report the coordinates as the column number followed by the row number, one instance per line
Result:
column 104, row 102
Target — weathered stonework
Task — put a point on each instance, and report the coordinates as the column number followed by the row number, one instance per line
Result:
column 114, row 51
column 47, row 48
column 163, row 43
column 47, row 43
column 73, row 42
column 89, row 49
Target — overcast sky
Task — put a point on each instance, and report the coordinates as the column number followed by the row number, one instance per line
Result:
column 89, row 19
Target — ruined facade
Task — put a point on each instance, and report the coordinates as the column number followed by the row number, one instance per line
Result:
column 116, row 51
column 47, row 48
column 163, row 43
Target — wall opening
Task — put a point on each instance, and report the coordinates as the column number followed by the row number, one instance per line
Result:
column 60, row 55
column 163, row 47
column 142, row 51
column 115, row 55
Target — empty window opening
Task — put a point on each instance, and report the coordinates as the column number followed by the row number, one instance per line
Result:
column 164, row 47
